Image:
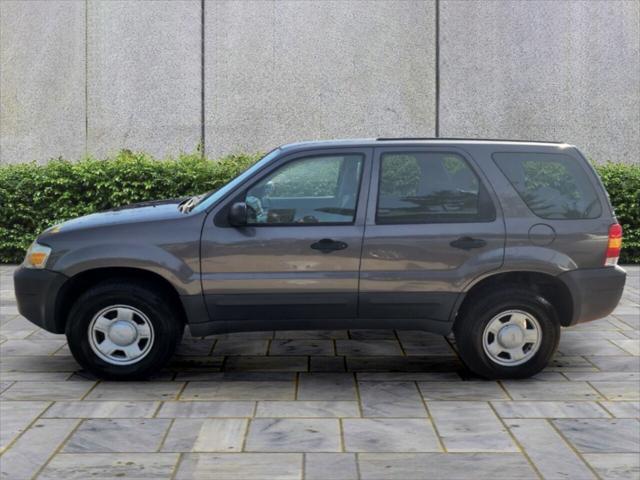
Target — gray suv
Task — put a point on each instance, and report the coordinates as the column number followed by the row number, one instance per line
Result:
column 499, row 242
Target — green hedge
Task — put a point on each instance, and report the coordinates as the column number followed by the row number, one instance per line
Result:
column 34, row 197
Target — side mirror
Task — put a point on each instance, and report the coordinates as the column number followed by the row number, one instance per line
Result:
column 238, row 214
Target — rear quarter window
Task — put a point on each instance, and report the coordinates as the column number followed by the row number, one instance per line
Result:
column 554, row 186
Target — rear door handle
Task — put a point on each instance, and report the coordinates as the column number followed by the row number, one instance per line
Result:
column 327, row 245
column 467, row 243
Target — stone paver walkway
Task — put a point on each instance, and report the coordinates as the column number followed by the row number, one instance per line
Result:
column 323, row 405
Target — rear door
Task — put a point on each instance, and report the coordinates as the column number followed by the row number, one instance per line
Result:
column 433, row 224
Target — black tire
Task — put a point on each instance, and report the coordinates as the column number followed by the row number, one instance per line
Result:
column 472, row 321
column 166, row 321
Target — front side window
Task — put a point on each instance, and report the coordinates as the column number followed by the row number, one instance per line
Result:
column 312, row 190
column 554, row 186
column 430, row 187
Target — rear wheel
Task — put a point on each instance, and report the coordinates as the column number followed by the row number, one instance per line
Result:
column 511, row 333
column 122, row 330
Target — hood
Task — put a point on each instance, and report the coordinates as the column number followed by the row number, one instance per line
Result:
column 138, row 212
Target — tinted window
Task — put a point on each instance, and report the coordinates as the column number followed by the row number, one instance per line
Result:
column 553, row 186
column 310, row 190
column 430, row 187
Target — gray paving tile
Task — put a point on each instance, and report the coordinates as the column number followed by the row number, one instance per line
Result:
column 588, row 346
column 293, row 435
column 32, row 450
column 389, row 435
column 327, row 364
column 437, row 363
column 601, row 436
column 195, row 346
column 445, row 466
column 391, row 399
column 548, row 451
column 368, row 347
column 301, row 347
column 330, row 466
column 424, row 343
column 307, row 409
column 541, row 409
column 615, row 466
column 623, row 409
column 46, row 391
column 136, row 391
column 604, row 377
column 470, row 427
column 240, row 346
column 407, row 377
column 626, row 363
column 562, row 391
column 141, row 466
column 185, row 409
column 245, row 466
column 240, row 390
column 618, row 390
column 477, row 390
column 326, row 386
column 206, row 435
column 267, row 364
column 372, row 334
column 117, row 435
column 629, row 345
column 311, row 334
column 569, row 363
column 15, row 417
column 99, row 409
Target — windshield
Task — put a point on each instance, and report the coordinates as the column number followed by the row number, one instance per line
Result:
column 208, row 199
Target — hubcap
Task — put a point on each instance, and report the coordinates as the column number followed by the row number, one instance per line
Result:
column 512, row 337
column 121, row 335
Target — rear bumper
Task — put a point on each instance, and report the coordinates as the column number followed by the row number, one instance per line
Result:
column 36, row 294
column 595, row 291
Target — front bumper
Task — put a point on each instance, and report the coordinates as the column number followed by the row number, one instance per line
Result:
column 595, row 291
column 37, row 293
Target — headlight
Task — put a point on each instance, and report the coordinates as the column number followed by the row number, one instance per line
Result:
column 37, row 256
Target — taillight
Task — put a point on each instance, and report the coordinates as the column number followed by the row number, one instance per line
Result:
column 614, row 246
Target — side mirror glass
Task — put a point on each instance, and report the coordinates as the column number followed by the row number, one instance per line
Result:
column 238, row 214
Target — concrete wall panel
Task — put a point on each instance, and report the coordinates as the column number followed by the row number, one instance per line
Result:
column 144, row 64
column 42, row 74
column 286, row 71
column 565, row 70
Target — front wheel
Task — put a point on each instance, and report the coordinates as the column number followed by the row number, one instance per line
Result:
column 507, row 334
column 122, row 330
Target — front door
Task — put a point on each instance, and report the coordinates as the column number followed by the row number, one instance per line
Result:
column 432, row 225
column 298, row 256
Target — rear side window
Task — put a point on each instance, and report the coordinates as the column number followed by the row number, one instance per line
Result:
column 430, row 187
column 554, row 186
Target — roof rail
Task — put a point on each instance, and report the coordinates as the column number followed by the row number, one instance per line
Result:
column 388, row 139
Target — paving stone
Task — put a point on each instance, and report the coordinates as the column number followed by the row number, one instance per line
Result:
column 312, row 334
column 407, row 376
column 307, row 409
column 437, row 363
column 629, row 345
column 15, row 417
column 588, row 346
column 73, row 466
column 548, row 451
column 326, row 386
column 293, row 435
column 618, row 390
column 240, row 390
column 32, row 450
column 267, row 364
column 195, row 346
column 541, row 409
column 391, row 399
column 569, row 363
column 327, row 364
column 623, row 409
column 372, row 334
column 445, row 466
column 136, row 391
column 616, row 364
column 241, row 346
column 604, row 376
column 118, row 435
column 46, row 391
column 206, row 409
column 98, row 409
column 530, row 390
column 618, row 466
column 206, row 435
column 330, row 466
column 601, row 436
column 389, row 435
column 245, row 466
column 470, row 427
column 38, row 363
column 368, row 347
column 301, row 347
column 424, row 343
column 482, row 390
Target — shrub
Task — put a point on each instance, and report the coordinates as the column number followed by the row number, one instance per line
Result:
column 34, row 197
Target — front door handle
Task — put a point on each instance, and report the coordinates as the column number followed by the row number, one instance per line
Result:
column 327, row 245
column 467, row 243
